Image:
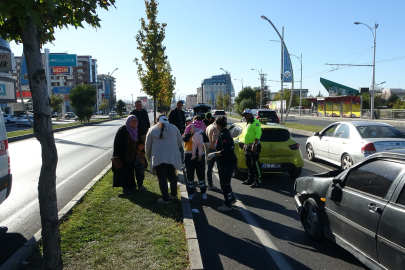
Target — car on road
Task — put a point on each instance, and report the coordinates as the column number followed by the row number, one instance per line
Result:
column 5, row 175
column 201, row 109
column 361, row 208
column 8, row 118
column 23, row 121
column 218, row 113
column 267, row 116
column 69, row 115
column 346, row 143
column 280, row 153
column 112, row 114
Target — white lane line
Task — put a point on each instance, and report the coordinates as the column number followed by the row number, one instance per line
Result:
column 319, row 165
column 262, row 235
column 20, row 212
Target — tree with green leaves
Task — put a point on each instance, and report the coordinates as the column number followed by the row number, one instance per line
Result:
column 82, row 99
column 121, row 107
column 33, row 23
column 392, row 99
column 150, row 43
column 56, row 103
column 245, row 104
column 246, row 93
column 104, row 104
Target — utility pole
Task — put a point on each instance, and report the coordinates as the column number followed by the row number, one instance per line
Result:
column 262, row 83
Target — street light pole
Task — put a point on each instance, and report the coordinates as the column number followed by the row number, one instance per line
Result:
column 241, row 82
column 299, row 58
column 261, row 85
column 109, row 85
column 373, row 81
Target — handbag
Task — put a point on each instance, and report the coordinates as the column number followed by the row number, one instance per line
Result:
column 116, row 162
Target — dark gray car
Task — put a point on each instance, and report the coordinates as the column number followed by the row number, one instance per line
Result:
column 361, row 208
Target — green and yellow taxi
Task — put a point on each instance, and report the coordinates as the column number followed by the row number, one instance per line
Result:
column 280, row 153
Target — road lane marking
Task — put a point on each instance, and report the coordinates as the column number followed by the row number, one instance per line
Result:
column 19, row 213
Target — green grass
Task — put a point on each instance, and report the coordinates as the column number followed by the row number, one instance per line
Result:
column 110, row 230
column 235, row 115
column 55, row 127
column 304, row 127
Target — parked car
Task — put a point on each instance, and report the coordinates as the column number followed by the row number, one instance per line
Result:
column 8, row 118
column 201, row 109
column 346, row 143
column 23, row 121
column 219, row 112
column 112, row 114
column 69, row 115
column 361, row 208
column 280, row 153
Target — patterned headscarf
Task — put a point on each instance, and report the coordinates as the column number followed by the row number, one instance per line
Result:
column 133, row 132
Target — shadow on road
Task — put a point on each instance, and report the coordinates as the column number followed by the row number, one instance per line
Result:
column 80, row 144
column 9, row 244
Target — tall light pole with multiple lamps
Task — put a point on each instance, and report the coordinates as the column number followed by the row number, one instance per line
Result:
column 373, row 81
column 299, row 58
column 109, row 85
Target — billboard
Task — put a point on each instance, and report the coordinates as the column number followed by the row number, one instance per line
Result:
column 24, row 72
column 287, row 70
column 61, row 71
column 6, row 62
column 63, row 60
column 144, row 100
column 107, row 90
column 62, row 91
column 7, row 90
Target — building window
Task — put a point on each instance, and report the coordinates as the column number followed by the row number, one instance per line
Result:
column 80, row 64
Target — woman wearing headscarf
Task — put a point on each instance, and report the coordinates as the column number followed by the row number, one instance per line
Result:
column 163, row 142
column 125, row 146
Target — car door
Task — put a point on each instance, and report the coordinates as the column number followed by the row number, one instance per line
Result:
column 365, row 193
column 339, row 142
column 391, row 231
column 322, row 141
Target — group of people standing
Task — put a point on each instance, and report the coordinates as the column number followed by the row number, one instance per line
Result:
column 207, row 139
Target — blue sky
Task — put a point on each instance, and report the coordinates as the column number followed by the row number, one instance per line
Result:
column 204, row 36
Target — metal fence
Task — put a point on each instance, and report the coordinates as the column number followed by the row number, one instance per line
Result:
column 387, row 114
column 307, row 112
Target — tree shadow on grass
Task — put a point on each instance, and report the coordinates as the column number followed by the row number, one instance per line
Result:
column 9, row 244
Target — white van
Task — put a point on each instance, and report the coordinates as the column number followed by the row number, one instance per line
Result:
column 5, row 175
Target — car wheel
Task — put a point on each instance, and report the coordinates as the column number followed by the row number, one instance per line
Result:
column 296, row 172
column 310, row 152
column 312, row 220
column 347, row 161
column 237, row 174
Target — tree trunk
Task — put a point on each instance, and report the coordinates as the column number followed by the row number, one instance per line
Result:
column 44, row 134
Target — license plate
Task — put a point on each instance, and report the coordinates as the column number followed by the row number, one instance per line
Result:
column 270, row 166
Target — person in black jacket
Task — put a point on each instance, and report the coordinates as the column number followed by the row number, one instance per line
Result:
column 143, row 120
column 177, row 117
column 226, row 162
column 125, row 146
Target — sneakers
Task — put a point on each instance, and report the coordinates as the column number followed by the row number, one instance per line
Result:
column 224, row 208
column 234, row 201
column 212, row 187
column 204, row 196
column 255, row 185
column 190, row 197
column 172, row 197
column 161, row 201
column 247, row 182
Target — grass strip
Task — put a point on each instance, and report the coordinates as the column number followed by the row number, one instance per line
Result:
column 304, row 127
column 234, row 115
column 111, row 230
column 55, row 127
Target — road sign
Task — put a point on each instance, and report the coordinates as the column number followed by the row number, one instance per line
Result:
column 98, row 85
column 61, row 90
column 63, row 60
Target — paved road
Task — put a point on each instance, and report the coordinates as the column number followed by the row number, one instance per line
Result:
column 321, row 123
column 83, row 153
column 264, row 231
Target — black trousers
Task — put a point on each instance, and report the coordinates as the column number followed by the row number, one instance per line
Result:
column 166, row 171
column 140, row 176
column 225, row 175
column 252, row 163
column 199, row 168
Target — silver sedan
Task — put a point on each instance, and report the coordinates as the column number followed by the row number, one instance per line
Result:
column 346, row 143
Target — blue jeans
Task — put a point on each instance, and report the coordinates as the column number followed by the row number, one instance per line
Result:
column 210, row 164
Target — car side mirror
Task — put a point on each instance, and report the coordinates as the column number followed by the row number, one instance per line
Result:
column 337, row 181
column 241, row 145
column 336, row 190
column 316, row 134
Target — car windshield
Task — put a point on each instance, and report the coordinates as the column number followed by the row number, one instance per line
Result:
column 267, row 114
column 275, row 135
column 217, row 112
column 380, row 132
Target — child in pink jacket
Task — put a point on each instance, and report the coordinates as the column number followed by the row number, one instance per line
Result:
column 197, row 127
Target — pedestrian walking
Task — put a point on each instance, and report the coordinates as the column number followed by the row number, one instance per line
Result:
column 193, row 166
column 198, row 128
column 140, row 165
column 226, row 162
column 212, row 134
column 143, row 120
column 162, row 151
column 252, row 148
column 125, row 146
column 177, row 117
column 209, row 119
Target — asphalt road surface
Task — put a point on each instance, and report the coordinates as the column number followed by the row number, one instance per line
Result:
column 263, row 231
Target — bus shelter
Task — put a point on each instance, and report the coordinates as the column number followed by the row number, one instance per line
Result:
column 338, row 106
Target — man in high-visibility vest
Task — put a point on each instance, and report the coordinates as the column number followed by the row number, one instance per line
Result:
column 252, row 149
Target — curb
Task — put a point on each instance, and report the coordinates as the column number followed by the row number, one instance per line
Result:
column 29, row 248
column 31, row 135
column 194, row 253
